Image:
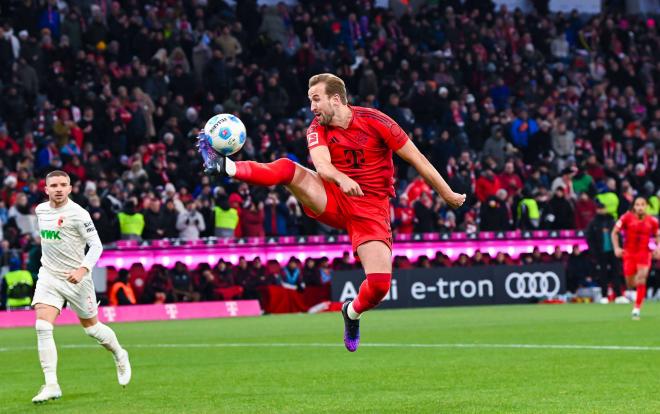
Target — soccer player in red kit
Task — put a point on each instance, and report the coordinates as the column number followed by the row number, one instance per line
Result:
column 351, row 148
column 638, row 228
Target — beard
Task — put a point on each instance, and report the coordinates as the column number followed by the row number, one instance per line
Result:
column 325, row 119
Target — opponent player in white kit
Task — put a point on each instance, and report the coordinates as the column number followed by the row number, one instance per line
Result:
column 65, row 274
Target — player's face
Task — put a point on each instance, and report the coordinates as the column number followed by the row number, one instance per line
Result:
column 321, row 104
column 58, row 189
column 639, row 207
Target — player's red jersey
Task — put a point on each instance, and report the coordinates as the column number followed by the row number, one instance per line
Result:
column 637, row 233
column 363, row 151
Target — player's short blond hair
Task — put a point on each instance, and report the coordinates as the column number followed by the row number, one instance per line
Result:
column 58, row 173
column 334, row 85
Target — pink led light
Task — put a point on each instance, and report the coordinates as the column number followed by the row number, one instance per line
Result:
column 167, row 256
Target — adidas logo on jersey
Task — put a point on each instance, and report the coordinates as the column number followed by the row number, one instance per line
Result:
column 50, row 234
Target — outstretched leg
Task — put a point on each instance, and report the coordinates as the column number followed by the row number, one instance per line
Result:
column 306, row 185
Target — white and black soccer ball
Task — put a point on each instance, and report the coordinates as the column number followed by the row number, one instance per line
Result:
column 225, row 133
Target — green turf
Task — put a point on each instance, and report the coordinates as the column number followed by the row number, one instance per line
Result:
column 313, row 379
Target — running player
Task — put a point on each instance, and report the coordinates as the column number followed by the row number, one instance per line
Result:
column 65, row 229
column 351, row 149
column 638, row 228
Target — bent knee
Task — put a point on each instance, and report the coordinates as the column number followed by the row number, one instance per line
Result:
column 42, row 325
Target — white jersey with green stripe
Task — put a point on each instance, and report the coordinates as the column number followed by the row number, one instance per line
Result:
column 65, row 231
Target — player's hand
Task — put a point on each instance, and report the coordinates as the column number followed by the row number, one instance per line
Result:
column 349, row 187
column 656, row 254
column 455, row 200
column 76, row 276
column 618, row 252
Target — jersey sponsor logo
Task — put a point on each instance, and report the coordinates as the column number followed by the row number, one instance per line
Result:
column 312, row 138
column 355, row 158
column 89, row 227
column 50, row 234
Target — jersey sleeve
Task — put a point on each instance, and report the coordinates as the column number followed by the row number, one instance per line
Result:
column 389, row 130
column 622, row 223
column 316, row 135
column 654, row 226
column 87, row 231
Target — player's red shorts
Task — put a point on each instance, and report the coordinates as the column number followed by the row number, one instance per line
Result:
column 633, row 260
column 365, row 218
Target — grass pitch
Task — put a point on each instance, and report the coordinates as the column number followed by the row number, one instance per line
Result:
column 507, row 359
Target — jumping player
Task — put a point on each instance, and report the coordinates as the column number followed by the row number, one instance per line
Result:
column 65, row 229
column 638, row 228
column 351, row 149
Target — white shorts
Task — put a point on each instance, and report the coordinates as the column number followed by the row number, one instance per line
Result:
column 54, row 291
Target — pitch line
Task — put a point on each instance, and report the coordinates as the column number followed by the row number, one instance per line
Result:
column 364, row 345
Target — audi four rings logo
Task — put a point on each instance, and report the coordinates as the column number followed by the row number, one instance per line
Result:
column 532, row 285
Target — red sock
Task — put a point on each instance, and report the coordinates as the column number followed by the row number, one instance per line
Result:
column 277, row 172
column 641, row 294
column 610, row 293
column 372, row 291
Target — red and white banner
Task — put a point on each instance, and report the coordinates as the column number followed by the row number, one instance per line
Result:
column 137, row 313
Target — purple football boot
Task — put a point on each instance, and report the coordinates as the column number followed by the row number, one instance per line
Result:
column 214, row 162
column 351, row 329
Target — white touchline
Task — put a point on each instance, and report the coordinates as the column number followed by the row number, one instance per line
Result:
column 367, row 345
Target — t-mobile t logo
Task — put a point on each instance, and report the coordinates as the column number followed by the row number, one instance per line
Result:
column 171, row 311
column 232, row 308
column 109, row 313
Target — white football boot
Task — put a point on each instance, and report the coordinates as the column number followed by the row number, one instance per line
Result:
column 123, row 367
column 47, row 392
column 635, row 314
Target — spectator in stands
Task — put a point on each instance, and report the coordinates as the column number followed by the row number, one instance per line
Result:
column 599, row 240
column 510, row 180
column 251, row 219
column 585, row 211
column 154, row 225
column 493, row 215
column 579, row 269
column 424, row 221
column 292, row 276
column 276, row 215
column 487, row 185
column 310, row 273
column 121, row 292
column 207, row 286
column 560, row 213
column 106, row 228
column 21, row 215
column 160, row 288
column 190, row 222
column 182, row 284
column 131, row 223
column 170, row 217
column 226, row 217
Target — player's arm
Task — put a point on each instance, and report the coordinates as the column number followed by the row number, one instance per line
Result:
column 323, row 164
column 411, row 154
column 88, row 232
column 618, row 252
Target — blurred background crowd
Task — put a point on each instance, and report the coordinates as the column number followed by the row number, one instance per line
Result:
column 541, row 118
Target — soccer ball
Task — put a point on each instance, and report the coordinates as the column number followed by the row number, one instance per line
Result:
column 225, row 133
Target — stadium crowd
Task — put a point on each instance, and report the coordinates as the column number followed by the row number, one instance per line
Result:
column 537, row 117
